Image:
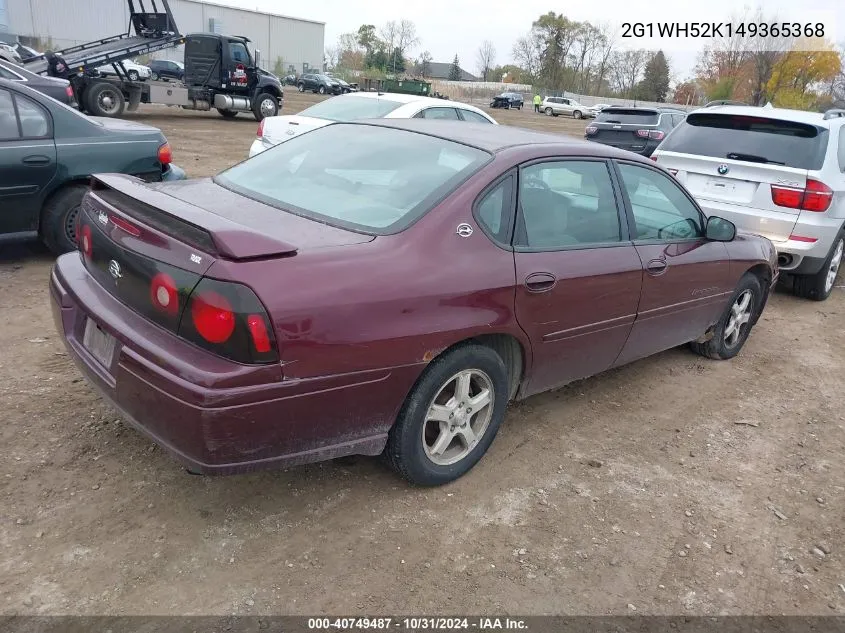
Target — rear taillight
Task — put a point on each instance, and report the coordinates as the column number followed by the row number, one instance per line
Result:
column 69, row 93
column 642, row 133
column 164, row 295
column 816, row 196
column 165, row 154
column 260, row 133
column 653, row 157
column 125, row 225
column 590, row 130
column 656, row 135
column 228, row 319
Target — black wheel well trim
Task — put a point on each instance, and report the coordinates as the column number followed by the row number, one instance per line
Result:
column 75, row 180
column 509, row 348
column 763, row 272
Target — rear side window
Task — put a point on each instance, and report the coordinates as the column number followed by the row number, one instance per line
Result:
column 8, row 120
column 619, row 115
column 473, row 117
column 750, row 138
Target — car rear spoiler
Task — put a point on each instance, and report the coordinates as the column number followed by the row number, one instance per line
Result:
column 187, row 222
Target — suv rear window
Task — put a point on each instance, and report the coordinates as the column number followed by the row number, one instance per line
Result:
column 620, row 115
column 752, row 138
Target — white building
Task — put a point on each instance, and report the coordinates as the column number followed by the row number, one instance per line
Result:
column 298, row 43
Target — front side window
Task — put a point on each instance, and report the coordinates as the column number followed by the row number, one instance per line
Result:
column 239, row 52
column 661, row 209
column 567, row 203
column 374, row 179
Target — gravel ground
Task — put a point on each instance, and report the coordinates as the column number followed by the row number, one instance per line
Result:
column 675, row 485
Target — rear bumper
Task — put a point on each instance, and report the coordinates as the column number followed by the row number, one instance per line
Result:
column 801, row 256
column 212, row 415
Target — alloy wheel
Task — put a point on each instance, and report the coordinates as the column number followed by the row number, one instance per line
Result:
column 738, row 319
column 833, row 270
column 458, row 417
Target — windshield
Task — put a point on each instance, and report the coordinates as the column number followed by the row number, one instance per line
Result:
column 351, row 108
column 364, row 177
column 751, row 139
column 618, row 115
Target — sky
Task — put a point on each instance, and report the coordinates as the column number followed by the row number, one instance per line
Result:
column 447, row 27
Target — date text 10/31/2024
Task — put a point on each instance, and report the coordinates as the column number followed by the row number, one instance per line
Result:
column 418, row 624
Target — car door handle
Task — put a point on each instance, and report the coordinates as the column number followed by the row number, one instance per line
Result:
column 656, row 267
column 36, row 159
column 540, row 282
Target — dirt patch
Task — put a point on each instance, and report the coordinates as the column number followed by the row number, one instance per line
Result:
column 635, row 487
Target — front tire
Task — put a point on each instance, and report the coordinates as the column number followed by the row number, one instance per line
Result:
column 301, row 87
column 265, row 105
column 577, row 115
column 154, row 77
column 58, row 219
column 451, row 416
column 322, row 90
column 132, row 75
column 818, row 287
column 739, row 317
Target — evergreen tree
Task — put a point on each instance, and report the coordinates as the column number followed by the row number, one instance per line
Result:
column 455, row 70
column 655, row 83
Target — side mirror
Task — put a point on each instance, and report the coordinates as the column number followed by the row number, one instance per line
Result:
column 719, row 229
column 257, row 57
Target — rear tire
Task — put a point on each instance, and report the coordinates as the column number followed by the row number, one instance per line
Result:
column 428, row 452
column 735, row 325
column 227, row 114
column 58, row 218
column 818, row 287
column 105, row 99
column 322, row 90
column 549, row 112
column 300, row 87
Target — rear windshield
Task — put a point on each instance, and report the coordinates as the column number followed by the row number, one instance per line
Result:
column 750, row 138
column 351, row 108
column 363, row 177
column 619, row 115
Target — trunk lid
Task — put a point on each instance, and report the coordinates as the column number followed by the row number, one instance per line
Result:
column 618, row 127
column 282, row 128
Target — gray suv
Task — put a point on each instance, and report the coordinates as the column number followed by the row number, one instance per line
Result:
column 774, row 172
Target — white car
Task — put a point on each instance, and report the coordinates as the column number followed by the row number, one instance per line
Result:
column 9, row 54
column 555, row 106
column 593, row 110
column 774, row 172
column 134, row 71
column 362, row 105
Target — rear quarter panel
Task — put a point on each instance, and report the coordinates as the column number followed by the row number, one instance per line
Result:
column 397, row 301
column 749, row 251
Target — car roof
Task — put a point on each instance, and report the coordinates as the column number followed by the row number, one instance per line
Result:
column 20, row 70
column 403, row 98
column 493, row 138
column 783, row 114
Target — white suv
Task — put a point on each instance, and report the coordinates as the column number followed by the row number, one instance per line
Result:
column 554, row 106
column 774, row 172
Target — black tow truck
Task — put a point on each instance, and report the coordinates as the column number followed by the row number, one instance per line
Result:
column 220, row 70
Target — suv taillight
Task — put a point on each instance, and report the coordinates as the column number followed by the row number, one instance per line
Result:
column 225, row 318
column 656, row 135
column 590, row 130
column 816, row 196
column 69, row 93
column 260, row 133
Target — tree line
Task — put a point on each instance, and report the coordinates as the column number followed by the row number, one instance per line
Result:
column 560, row 55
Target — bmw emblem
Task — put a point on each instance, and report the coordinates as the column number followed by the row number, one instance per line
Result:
column 723, row 169
column 114, row 270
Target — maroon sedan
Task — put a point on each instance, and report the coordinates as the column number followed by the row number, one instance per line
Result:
column 387, row 287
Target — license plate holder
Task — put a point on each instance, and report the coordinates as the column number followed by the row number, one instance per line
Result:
column 99, row 343
column 720, row 186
